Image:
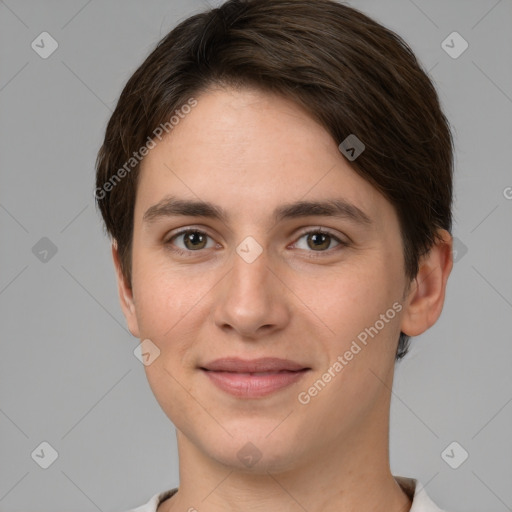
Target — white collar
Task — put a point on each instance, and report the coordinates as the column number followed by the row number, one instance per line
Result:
column 413, row 487
column 421, row 502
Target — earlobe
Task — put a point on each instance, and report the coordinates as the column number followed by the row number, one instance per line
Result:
column 125, row 294
column 425, row 299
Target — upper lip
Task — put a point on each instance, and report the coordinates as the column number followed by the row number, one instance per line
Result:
column 263, row 364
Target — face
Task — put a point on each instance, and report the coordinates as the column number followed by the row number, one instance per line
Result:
column 261, row 272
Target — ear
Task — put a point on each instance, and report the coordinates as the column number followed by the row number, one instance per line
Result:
column 125, row 295
column 425, row 298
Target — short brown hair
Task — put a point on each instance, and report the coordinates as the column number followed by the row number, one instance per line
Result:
column 349, row 72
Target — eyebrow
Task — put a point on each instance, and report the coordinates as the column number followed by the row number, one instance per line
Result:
column 171, row 206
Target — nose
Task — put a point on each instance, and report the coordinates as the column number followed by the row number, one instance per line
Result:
column 252, row 300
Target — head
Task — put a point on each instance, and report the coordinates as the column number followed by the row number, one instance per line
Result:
column 244, row 107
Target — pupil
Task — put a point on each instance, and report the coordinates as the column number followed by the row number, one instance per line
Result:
column 195, row 238
column 319, row 240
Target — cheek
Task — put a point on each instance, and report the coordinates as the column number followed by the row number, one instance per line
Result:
column 352, row 301
column 167, row 302
column 172, row 307
column 164, row 296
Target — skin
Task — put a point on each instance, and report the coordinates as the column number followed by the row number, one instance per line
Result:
column 250, row 152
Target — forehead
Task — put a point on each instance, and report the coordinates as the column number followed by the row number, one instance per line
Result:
column 248, row 150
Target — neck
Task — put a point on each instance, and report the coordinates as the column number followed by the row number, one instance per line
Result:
column 351, row 474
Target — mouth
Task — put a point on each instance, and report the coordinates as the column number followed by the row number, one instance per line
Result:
column 254, row 385
column 260, row 365
column 256, row 373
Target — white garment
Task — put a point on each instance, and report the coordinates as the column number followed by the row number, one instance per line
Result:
column 414, row 489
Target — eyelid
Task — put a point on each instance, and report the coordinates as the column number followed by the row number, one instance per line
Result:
column 321, row 229
column 181, row 231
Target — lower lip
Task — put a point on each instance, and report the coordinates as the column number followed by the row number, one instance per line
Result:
column 244, row 385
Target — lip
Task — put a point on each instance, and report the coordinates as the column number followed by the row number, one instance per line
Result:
column 254, row 378
column 248, row 385
column 262, row 364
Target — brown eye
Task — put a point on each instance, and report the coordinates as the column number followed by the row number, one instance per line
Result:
column 194, row 240
column 190, row 240
column 318, row 241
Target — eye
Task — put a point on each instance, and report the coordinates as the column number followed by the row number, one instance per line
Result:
column 318, row 240
column 191, row 240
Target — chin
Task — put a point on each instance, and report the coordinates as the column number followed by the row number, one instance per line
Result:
column 257, row 454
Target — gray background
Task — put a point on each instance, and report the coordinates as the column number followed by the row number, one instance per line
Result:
column 68, row 375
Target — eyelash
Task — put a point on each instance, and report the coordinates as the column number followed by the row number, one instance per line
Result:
column 312, row 254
